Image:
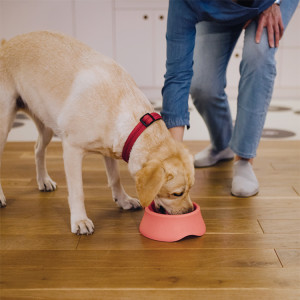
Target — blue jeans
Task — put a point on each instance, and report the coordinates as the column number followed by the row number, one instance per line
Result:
column 214, row 45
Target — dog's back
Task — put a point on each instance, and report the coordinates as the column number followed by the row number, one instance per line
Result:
column 61, row 79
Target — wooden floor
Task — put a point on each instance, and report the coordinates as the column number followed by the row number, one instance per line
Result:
column 251, row 249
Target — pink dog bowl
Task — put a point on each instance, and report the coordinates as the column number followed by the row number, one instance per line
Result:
column 171, row 228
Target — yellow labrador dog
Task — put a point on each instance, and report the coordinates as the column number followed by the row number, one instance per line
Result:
column 93, row 105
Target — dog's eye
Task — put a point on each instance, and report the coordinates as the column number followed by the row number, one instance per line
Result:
column 178, row 194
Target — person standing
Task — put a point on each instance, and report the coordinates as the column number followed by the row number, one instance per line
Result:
column 201, row 36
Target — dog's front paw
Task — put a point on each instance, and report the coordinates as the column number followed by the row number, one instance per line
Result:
column 2, row 200
column 46, row 184
column 84, row 226
column 128, row 203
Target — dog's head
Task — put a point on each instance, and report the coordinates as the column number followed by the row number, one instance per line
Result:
column 167, row 181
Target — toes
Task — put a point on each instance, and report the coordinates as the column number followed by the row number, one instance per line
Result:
column 130, row 203
column 2, row 204
column 2, row 200
column 83, row 227
column 47, row 186
column 135, row 203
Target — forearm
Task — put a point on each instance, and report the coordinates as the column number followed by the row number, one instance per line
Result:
column 179, row 66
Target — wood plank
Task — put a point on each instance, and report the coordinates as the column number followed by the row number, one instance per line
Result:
column 53, row 217
column 108, row 222
column 158, row 278
column 135, row 241
column 280, row 226
column 101, row 197
column 223, row 189
column 208, row 241
column 55, row 220
column 38, row 242
column 237, row 226
column 150, row 294
column 147, row 259
column 290, row 258
column 253, row 202
column 296, row 187
column 29, row 192
column 251, row 213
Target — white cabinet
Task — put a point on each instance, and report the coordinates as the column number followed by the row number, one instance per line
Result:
column 134, row 44
column 290, row 69
column 140, row 41
column 93, row 21
column 1, row 22
column 21, row 16
column 160, row 47
column 289, row 56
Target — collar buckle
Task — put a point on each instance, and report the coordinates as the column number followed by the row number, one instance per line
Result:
column 145, row 121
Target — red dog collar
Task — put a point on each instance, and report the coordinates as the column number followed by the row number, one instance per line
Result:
column 145, row 121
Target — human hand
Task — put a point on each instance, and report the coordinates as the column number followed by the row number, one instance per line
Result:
column 271, row 19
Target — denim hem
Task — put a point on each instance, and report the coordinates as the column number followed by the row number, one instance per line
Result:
column 170, row 123
column 241, row 154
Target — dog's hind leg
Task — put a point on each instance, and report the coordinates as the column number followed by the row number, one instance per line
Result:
column 119, row 195
column 80, row 223
column 45, row 183
column 7, row 115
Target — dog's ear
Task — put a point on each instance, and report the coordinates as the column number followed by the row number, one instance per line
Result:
column 149, row 181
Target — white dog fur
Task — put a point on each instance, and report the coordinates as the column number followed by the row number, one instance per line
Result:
column 92, row 104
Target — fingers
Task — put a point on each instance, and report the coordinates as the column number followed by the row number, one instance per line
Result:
column 281, row 27
column 270, row 30
column 262, row 23
column 247, row 24
column 277, row 35
column 271, row 19
column 259, row 30
column 278, row 31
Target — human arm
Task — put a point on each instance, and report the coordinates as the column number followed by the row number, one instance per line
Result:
column 179, row 66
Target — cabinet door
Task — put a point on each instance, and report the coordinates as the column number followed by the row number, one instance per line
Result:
column 1, row 21
column 94, row 24
column 21, row 16
column 291, row 37
column 290, row 68
column 160, row 22
column 289, row 63
column 134, row 44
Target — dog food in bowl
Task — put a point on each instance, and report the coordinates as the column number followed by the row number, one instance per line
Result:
column 160, row 209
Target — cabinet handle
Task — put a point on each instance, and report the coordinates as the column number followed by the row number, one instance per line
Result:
column 146, row 17
column 161, row 17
